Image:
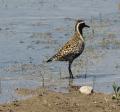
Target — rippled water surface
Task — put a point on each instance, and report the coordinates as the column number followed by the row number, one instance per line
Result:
column 33, row 30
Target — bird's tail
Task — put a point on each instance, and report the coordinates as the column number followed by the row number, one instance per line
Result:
column 52, row 58
column 49, row 60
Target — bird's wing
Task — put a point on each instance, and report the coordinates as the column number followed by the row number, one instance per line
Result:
column 72, row 47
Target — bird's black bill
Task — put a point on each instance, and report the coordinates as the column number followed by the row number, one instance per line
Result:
column 87, row 26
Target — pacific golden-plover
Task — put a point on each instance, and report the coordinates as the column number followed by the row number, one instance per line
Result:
column 73, row 48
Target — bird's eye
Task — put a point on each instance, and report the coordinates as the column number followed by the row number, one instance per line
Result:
column 83, row 23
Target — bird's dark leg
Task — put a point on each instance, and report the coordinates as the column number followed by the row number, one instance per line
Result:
column 70, row 82
column 69, row 68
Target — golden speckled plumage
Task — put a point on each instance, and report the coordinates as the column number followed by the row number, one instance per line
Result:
column 73, row 48
column 70, row 50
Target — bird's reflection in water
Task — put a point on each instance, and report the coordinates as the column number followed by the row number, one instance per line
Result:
column 70, row 82
column 73, row 87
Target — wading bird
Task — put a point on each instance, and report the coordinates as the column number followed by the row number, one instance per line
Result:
column 73, row 48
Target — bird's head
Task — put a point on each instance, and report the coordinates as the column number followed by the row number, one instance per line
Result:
column 80, row 24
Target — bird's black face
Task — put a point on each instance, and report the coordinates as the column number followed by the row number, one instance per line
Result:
column 80, row 24
column 84, row 25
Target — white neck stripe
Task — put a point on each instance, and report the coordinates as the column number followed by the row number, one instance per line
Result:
column 77, row 28
column 82, row 22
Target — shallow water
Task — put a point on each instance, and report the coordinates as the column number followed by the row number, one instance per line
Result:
column 33, row 30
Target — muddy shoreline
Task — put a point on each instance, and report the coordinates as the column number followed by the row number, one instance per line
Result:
column 44, row 100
